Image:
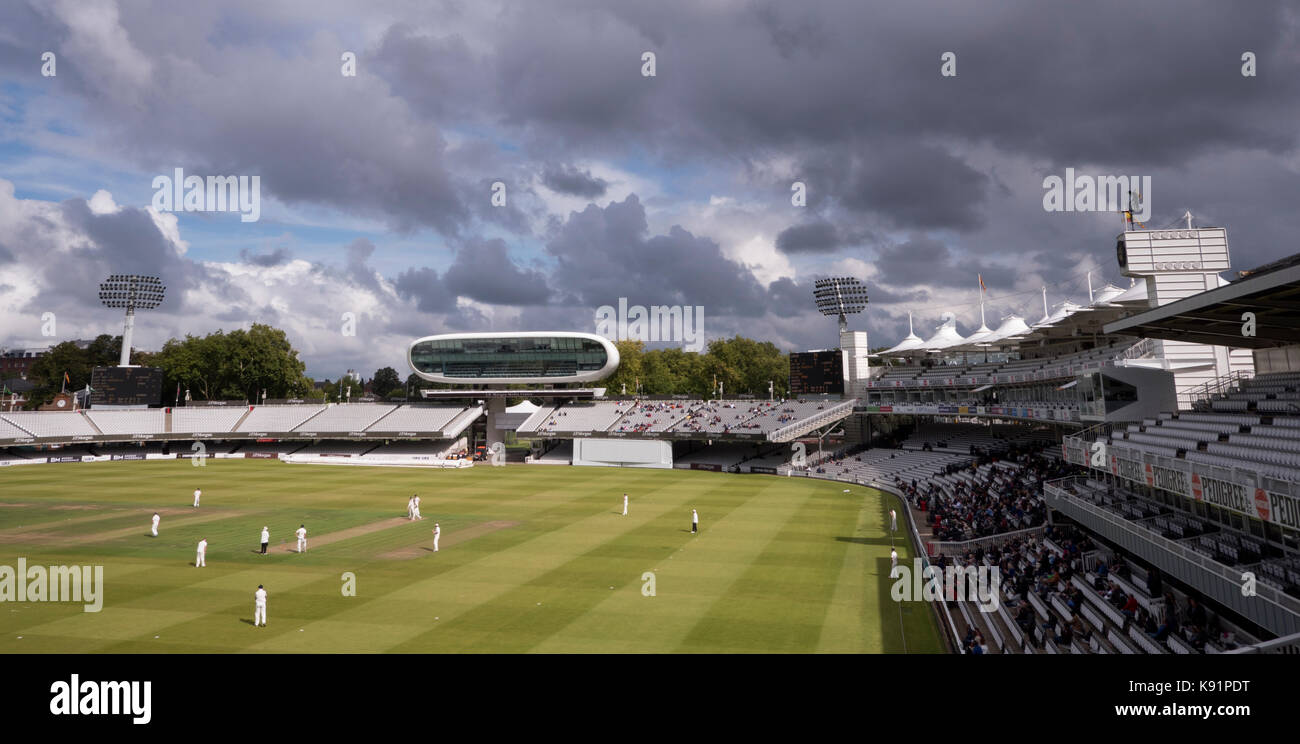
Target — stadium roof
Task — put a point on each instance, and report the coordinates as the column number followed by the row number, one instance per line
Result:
column 945, row 336
column 1271, row 292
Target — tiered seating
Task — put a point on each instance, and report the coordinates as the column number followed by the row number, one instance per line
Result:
column 133, row 421
column 278, row 418
column 10, row 431
column 345, row 417
column 914, row 376
column 51, row 424
column 717, row 417
column 416, row 418
column 654, row 416
column 207, row 419
column 584, row 417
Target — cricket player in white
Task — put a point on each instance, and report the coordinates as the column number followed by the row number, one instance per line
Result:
column 416, row 499
column 695, row 521
column 410, row 508
column 893, row 558
column 197, row 494
column 199, row 561
column 625, row 505
column 893, row 521
column 302, row 538
column 259, row 607
column 266, row 538
column 437, row 533
column 156, row 520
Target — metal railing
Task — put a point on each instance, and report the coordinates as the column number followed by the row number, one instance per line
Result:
column 1285, row 645
column 799, row 428
column 1202, row 396
column 1056, row 494
column 1146, row 348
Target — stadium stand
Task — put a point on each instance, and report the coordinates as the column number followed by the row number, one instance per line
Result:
column 278, row 418
column 51, row 424
column 416, row 418
column 207, row 419
column 143, row 421
column 345, row 417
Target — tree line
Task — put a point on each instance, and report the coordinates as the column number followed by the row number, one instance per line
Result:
column 244, row 364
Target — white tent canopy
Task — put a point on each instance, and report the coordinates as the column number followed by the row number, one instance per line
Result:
column 1012, row 325
column 913, row 342
column 946, row 336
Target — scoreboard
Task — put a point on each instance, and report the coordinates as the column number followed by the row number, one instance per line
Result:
column 126, row 386
column 817, row 372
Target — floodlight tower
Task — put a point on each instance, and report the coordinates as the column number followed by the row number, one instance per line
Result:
column 841, row 296
column 131, row 291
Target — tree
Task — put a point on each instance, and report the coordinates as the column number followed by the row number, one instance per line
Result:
column 629, row 368
column 234, row 366
column 385, row 382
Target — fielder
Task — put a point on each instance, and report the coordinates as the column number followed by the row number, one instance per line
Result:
column 199, row 561
column 259, row 607
column 416, row 500
column 893, row 521
column 197, row 494
column 266, row 538
column 410, row 507
column 156, row 520
column 625, row 505
column 695, row 521
column 437, row 533
column 893, row 560
column 302, row 538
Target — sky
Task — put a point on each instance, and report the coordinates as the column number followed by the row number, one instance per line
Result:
column 502, row 166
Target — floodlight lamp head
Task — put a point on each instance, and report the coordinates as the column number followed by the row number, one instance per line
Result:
column 132, row 291
column 839, row 296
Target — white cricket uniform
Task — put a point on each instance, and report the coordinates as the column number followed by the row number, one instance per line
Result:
column 259, row 607
column 893, row 521
column 417, row 508
column 410, row 508
column 893, row 558
column 203, row 551
column 625, row 505
column 156, row 519
column 437, row 533
column 302, row 539
column 197, row 494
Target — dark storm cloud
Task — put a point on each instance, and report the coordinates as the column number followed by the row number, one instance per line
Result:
column 604, row 253
column 426, row 288
column 569, row 180
column 273, row 257
column 484, row 272
column 124, row 242
column 809, row 237
column 922, row 260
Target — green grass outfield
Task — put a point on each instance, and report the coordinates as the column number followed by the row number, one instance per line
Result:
column 533, row 559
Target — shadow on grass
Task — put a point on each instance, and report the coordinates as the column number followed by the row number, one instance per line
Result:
column 866, row 540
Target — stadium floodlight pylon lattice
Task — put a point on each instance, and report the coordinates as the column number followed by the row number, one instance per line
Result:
column 133, row 292
column 840, row 296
